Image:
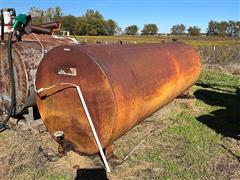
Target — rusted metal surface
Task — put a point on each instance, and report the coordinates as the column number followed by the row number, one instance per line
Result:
column 40, row 30
column 54, row 26
column 26, row 57
column 122, row 85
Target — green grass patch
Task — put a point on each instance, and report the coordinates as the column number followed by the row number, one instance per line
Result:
column 213, row 79
column 204, row 108
column 5, row 134
column 58, row 176
column 184, row 150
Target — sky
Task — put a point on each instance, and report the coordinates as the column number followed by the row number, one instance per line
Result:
column 128, row 12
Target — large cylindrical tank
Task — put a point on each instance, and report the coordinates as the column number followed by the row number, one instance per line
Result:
column 121, row 84
column 26, row 56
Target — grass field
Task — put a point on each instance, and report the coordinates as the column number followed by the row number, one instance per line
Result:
column 194, row 138
column 194, row 41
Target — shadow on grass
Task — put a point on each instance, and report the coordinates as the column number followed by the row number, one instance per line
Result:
column 91, row 174
column 214, row 86
column 226, row 120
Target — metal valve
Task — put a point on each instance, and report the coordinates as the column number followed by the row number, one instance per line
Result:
column 59, row 135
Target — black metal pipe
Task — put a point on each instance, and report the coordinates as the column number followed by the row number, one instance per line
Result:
column 2, row 26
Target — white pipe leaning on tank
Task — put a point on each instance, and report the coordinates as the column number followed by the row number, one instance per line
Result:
column 93, row 128
column 82, row 100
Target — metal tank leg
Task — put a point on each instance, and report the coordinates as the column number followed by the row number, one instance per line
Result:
column 108, row 151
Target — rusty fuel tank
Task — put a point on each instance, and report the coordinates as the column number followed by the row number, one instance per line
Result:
column 121, row 84
column 26, row 57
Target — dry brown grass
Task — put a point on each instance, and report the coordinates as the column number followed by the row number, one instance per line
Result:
column 20, row 156
column 221, row 58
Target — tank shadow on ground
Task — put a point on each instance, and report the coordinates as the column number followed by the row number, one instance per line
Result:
column 91, row 174
column 226, row 120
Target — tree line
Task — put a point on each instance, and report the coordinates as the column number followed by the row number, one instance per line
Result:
column 224, row 28
column 93, row 23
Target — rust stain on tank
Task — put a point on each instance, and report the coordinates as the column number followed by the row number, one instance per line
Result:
column 122, row 85
column 26, row 56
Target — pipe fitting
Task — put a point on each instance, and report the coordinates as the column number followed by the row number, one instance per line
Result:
column 59, row 135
